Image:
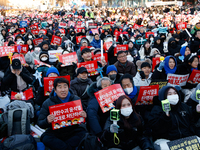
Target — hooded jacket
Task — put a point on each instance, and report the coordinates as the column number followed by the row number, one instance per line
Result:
column 178, row 125
column 79, row 50
column 160, row 46
column 173, row 49
column 95, row 43
column 139, row 82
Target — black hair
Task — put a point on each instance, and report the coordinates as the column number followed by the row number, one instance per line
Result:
column 127, row 76
column 60, row 80
column 120, row 52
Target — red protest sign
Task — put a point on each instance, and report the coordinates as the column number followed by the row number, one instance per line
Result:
column 97, row 57
column 14, row 20
column 26, row 95
column 175, row 79
column 37, row 41
column 107, row 45
column 146, row 94
column 48, row 83
column 68, row 59
column 136, row 26
column 66, row 114
column 56, row 40
column 120, row 48
column 80, row 17
column 5, row 44
column 5, row 50
column 21, row 48
column 62, row 25
column 108, row 95
column 79, row 29
column 50, row 21
column 7, row 21
column 23, row 30
column 82, row 47
column 195, row 76
column 78, row 39
column 180, row 26
column 155, row 61
column 91, row 67
column 148, row 33
column 20, row 57
column 43, row 31
column 35, row 32
column 39, row 63
column 34, row 26
column 62, row 31
column 95, row 31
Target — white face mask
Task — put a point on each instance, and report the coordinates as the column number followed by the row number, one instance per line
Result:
column 173, row 99
column 30, row 46
column 130, row 58
column 151, row 39
column 126, row 111
column 30, row 36
column 128, row 90
column 44, row 58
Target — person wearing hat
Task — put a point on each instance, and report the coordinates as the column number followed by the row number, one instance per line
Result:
column 40, row 98
column 112, row 73
column 195, row 42
column 80, row 84
column 16, row 78
column 45, row 46
column 96, row 42
column 83, row 43
column 44, row 57
column 143, row 77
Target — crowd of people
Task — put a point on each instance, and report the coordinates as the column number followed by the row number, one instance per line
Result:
column 171, row 32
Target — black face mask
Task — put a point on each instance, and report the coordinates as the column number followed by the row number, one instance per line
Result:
column 83, row 80
column 173, row 45
column 112, row 77
column 72, row 34
column 163, row 39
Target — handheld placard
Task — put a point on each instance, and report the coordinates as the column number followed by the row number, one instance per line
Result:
column 198, row 98
column 166, row 106
column 114, row 116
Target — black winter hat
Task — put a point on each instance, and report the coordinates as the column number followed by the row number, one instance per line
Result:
column 145, row 64
column 85, row 50
column 81, row 70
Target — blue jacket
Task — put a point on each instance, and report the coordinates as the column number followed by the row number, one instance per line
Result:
column 95, row 43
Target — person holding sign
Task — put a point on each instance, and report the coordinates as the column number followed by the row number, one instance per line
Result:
column 129, row 128
column 63, row 138
column 177, row 123
column 164, row 67
column 96, row 42
column 185, row 50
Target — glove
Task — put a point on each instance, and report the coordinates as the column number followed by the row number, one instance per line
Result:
column 161, row 66
column 114, row 44
column 181, row 58
column 114, row 128
column 142, row 74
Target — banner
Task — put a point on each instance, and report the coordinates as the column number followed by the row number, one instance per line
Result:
column 146, row 95
column 62, row 25
column 48, row 83
column 120, row 48
column 148, row 33
column 161, row 83
column 95, row 31
column 23, row 49
column 62, row 31
column 68, row 59
column 82, row 47
column 53, row 55
column 195, row 76
column 35, row 32
column 180, row 26
column 44, row 31
column 37, row 41
column 108, row 95
column 66, row 114
column 175, row 79
column 155, row 61
column 39, row 63
column 56, row 40
column 20, row 57
column 5, row 50
column 23, row 24
column 79, row 29
column 26, row 95
column 50, row 21
column 107, row 45
column 34, row 27
column 92, row 25
column 136, row 26
column 14, row 20
column 91, row 67
column 188, row 143
column 78, row 39
column 106, row 27
column 23, row 30
column 97, row 57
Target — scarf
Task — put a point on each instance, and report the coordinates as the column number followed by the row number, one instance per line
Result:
column 66, row 99
column 166, row 66
column 133, row 93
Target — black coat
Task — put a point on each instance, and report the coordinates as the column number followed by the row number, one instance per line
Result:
column 160, row 46
column 62, row 133
column 10, row 79
column 111, row 58
column 157, row 75
column 178, row 125
column 79, row 89
column 194, row 45
column 40, row 98
column 173, row 50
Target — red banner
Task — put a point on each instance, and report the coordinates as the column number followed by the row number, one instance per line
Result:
column 20, row 57
column 23, row 30
column 26, row 95
column 5, row 50
column 82, row 47
column 155, row 61
column 34, row 27
column 175, row 79
column 78, row 39
column 23, row 49
column 95, row 31
column 37, row 41
column 14, row 20
column 195, row 76
column 180, row 26
column 66, row 114
column 35, row 32
column 39, row 63
column 120, row 48
column 48, row 83
column 62, row 25
column 146, row 94
column 107, row 45
column 56, row 40
column 68, row 59
column 91, row 67
column 44, row 31
column 148, row 33
column 79, row 29
column 97, row 57
column 62, row 31
column 108, row 95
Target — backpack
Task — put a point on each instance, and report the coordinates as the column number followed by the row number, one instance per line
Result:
column 90, row 142
column 19, row 142
column 18, row 121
